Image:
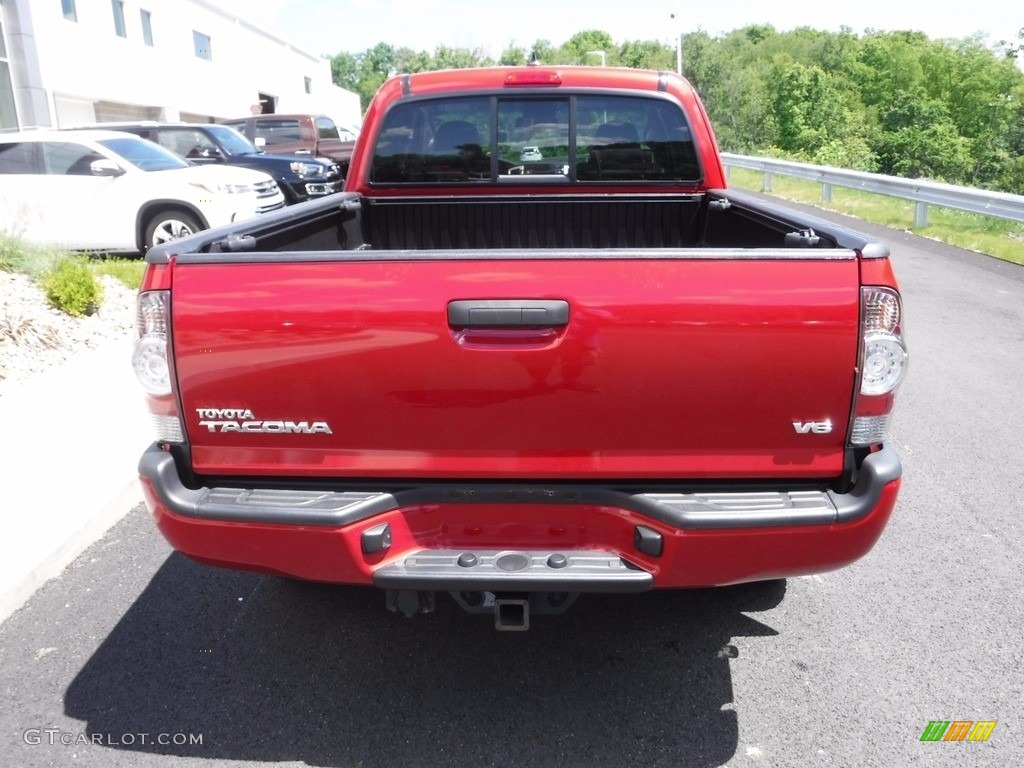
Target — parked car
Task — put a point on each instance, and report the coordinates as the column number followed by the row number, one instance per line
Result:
column 206, row 144
column 112, row 191
column 313, row 135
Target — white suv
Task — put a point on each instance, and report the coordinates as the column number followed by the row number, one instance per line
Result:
column 112, row 191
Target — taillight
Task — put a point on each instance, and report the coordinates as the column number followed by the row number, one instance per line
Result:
column 883, row 366
column 150, row 356
column 151, row 360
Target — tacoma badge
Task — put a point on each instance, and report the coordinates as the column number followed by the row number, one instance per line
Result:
column 243, row 420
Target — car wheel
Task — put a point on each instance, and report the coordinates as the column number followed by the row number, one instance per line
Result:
column 170, row 225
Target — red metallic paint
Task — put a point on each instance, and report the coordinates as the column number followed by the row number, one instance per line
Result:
column 666, row 369
column 157, row 277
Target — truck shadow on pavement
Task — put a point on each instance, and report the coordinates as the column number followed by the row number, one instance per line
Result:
column 266, row 669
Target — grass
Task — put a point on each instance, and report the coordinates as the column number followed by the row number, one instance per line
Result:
column 127, row 270
column 35, row 262
column 996, row 237
column 17, row 257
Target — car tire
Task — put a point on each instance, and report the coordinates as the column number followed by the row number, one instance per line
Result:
column 169, row 224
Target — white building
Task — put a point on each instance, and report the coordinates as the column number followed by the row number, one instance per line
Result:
column 76, row 62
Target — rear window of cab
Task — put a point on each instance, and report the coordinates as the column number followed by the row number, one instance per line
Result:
column 557, row 139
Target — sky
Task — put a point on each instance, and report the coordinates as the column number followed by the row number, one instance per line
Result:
column 331, row 26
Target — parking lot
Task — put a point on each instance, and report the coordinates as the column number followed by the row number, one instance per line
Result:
column 136, row 656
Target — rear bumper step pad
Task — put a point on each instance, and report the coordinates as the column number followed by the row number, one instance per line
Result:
column 513, row 571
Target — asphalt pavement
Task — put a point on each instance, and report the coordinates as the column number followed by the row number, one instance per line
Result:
column 135, row 656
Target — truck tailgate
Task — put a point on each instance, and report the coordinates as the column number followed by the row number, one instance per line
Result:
column 451, row 367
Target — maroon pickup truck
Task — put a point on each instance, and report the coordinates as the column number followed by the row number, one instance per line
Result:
column 535, row 349
column 314, row 135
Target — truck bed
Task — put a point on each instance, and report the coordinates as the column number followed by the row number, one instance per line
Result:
column 719, row 220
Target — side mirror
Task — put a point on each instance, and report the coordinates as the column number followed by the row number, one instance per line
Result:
column 105, row 168
column 260, row 143
column 212, row 153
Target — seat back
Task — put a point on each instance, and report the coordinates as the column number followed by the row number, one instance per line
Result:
column 616, row 154
column 455, row 153
column 456, row 137
column 617, row 133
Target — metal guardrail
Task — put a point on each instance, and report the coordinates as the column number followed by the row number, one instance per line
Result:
column 922, row 192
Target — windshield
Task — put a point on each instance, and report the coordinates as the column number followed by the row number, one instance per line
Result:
column 144, row 155
column 232, row 141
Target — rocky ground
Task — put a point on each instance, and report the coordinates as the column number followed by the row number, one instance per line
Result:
column 35, row 337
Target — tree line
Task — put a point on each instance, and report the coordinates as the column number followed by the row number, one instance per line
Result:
column 897, row 103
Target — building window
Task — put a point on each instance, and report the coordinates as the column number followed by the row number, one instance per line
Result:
column 8, row 111
column 308, row 83
column 202, row 45
column 68, row 6
column 118, row 7
column 147, row 28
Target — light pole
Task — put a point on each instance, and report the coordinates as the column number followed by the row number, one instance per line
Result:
column 679, row 47
column 597, row 53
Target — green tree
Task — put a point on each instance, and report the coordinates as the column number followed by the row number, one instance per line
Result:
column 806, row 107
column 646, row 54
column 380, row 60
column 1014, row 49
column 459, row 58
column 513, row 56
column 920, row 140
column 376, row 65
column 545, row 52
column 731, row 78
column 345, row 71
column 576, row 49
column 408, row 60
column 888, row 63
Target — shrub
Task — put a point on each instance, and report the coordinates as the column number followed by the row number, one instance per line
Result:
column 71, row 287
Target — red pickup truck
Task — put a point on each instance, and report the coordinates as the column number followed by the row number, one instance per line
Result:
column 313, row 135
column 535, row 349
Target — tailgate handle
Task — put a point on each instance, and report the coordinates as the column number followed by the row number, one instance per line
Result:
column 508, row 313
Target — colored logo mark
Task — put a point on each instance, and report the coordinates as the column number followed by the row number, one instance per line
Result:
column 958, row 730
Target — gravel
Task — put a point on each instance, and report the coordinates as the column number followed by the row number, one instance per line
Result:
column 35, row 337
